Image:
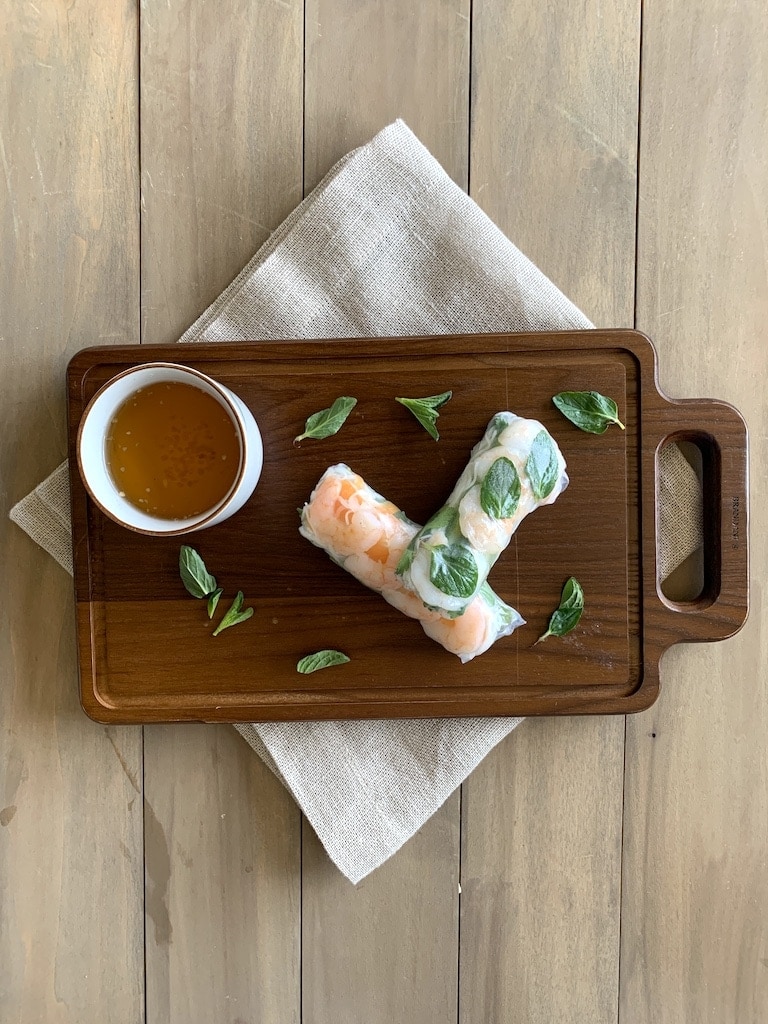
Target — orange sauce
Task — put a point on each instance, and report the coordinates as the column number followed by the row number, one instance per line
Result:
column 172, row 450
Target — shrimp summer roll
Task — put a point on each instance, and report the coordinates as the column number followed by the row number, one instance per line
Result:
column 514, row 469
column 368, row 536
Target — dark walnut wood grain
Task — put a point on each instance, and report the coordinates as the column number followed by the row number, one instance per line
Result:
column 146, row 650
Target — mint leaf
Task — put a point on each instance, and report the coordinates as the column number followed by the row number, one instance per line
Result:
column 569, row 612
column 588, row 410
column 425, row 410
column 500, row 490
column 541, row 465
column 213, row 600
column 453, row 570
column 406, row 560
column 234, row 614
column 443, row 519
column 196, row 579
column 320, row 659
column 573, row 595
column 328, row 421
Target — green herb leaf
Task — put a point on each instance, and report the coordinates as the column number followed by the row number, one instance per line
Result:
column 234, row 614
column 561, row 622
column 496, row 427
column 425, row 410
column 213, row 600
column 194, row 575
column 541, row 465
column 328, row 421
column 500, row 490
column 320, row 659
column 569, row 612
column 453, row 570
column 443, row 519
column 589, row 410
column 573, row 595
column 406, row 560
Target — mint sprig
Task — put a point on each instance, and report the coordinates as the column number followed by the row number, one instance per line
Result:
column 426, row 410
column 569, row 612
column 196, row 579
column 328, row 421
column 213, row 600
column 234, row 614
column 202, row 585
column 588, row 410
column 320, row 659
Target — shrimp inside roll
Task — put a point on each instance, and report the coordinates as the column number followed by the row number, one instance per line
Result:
column 368, row 536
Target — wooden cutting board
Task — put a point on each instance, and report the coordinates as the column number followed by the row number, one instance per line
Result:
column 145, row 647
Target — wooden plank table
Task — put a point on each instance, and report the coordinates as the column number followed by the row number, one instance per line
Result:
column 592, row 871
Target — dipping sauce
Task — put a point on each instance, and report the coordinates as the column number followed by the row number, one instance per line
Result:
column 172, row 450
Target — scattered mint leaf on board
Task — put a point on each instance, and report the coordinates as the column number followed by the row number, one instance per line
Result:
column 213, row 600
column 200, row 584
column 327, row 421
column 588, row 410
column 570, row 610
column 234, row 614
column 500, row 490
column 541, row 465
column 196, row 579
column 425, row 410
column 453, row 570
column 320, row 659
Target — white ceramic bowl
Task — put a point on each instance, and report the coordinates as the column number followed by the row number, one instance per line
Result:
column 91, row 449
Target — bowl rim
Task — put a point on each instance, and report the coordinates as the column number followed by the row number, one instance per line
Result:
column 223, row 393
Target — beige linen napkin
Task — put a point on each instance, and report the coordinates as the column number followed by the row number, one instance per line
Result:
column 386, row 245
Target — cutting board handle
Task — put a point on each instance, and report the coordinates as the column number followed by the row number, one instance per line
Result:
column 719, row 431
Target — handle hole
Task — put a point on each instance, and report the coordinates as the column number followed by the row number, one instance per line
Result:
column 685, row 559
